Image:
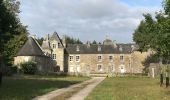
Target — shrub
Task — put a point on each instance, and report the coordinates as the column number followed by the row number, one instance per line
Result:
column 29, row 67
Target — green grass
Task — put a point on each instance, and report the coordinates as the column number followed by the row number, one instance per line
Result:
column 139, row 88
column 27, row 87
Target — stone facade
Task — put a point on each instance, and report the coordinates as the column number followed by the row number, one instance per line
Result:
column 131, row 63
column 31, row 51
column 44, row 64
column 109, row 57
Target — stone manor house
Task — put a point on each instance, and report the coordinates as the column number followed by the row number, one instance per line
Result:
column 56, row 56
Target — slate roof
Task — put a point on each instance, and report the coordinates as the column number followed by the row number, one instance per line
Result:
column 105, row 49
column 31, row 48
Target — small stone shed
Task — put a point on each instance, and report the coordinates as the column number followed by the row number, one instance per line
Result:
column 31, row 51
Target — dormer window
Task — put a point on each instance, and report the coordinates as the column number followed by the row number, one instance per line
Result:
column 54, row 46
column 78, row 48
column 99, row 48
column 58, row 44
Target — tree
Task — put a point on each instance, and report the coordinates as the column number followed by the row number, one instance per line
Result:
column 154, row 33
column 94, row 42
column 12, row 33
column 40, row 40
column 71, row 40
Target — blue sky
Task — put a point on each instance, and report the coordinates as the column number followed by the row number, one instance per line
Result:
column 145, row 3
column 87, row 20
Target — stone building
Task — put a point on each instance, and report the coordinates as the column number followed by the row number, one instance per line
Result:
column 108, row 57
column 31, row 51
column 95, row 58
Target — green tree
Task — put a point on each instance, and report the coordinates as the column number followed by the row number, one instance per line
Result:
column 154, row 33
column 71, row 40
column 12, row 33
column 40, row 40
column 94, row 42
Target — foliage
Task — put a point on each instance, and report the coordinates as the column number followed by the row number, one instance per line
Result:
column 94, row 42
column 40, row 40
column 27, row 87
column 12, row 33
column 129, row 88
column 71, row 40
column 29, row 67
column 154, row 33
column 153, row 58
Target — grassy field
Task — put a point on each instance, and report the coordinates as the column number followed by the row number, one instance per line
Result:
column 130, row 89
column 27, row 87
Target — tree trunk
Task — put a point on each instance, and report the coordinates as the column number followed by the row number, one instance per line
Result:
column 0, row 73
column 1, row 67
column 161, row 74
column 167, row 82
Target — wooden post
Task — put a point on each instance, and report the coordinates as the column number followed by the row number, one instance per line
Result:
column 153, row 73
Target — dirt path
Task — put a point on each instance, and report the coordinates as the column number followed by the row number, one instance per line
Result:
column 92, row 83
column 84, row 92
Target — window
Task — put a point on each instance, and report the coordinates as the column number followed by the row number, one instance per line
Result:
column 99, row 67
column 54, row 56
column 121, row 58
column 71, row 58
column 78, row 68
column 110, row 58
column 77, row 58
column 58, row 44
column 72, row 68
column 99, row 58
column 54, row 46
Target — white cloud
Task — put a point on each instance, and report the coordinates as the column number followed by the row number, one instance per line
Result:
column 84, row 19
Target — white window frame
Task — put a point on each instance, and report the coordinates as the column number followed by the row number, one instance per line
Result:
column 54, row 45
column 111, row 60
column 78, row 68
column 71, row 60
column 100, row 70
column 71, row 68
column 54, row 56
column 77, row 60
column 122, row 60
column 98, row 58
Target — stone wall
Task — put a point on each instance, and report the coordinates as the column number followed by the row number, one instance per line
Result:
column 89, row 62
column 132, row 63
column 137, row 60
column 59, row 57
column 45, row 64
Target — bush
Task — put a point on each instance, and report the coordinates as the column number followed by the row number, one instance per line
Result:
column 29, row 67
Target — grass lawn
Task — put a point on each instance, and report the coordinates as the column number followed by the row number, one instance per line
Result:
column 127, row 88
column 27, row 87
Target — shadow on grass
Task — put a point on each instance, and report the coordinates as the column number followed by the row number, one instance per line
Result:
column 25, row 89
